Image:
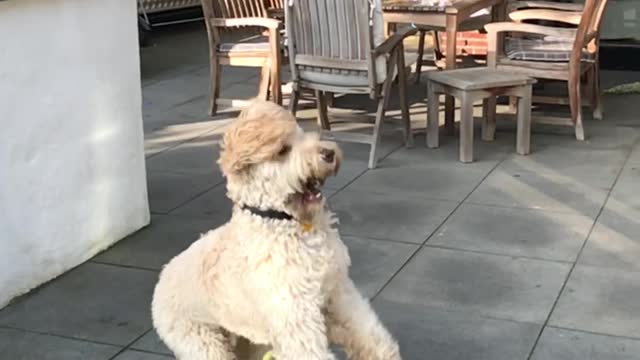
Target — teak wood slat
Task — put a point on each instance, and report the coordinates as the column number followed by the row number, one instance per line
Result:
column 338, row 46
column 237, row 15
column 584, row 57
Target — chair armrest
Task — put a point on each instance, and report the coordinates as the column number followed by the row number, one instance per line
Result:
column 394, row 40
column 541, row 4
column 568, row 17
column 495, row 28
column 247, row 21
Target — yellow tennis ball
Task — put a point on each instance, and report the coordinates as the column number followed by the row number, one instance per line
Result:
column 268, row 356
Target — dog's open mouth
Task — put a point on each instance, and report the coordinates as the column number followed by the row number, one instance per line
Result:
column 312, row 193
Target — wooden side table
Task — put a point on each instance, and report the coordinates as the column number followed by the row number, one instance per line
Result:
column 473, row 84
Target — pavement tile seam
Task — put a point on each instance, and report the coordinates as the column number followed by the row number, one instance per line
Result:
column 173, row 212
column 101, row 262
column 584, row 243
column 144, row 352
column 413, row 195
column 373, row 237
column 348, row 183
column 532, row 209
column 343, row 234
column 435, row 231
column 188, row 101
column 193, row 198
column 567, row 212
column 593, row 333
column 497, row 254
column 150, row 352
column 59, row 336
column 473, row 314
column 130, row 344
column 190, row 70
column 182, row 203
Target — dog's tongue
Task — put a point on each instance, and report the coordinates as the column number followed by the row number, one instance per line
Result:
column 312, row 197
column 309, row 197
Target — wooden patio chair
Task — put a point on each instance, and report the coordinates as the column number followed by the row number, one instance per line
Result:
column 257, row 51
column 553, row 53
column 474, row 23
column 339, row 46
column 275, row 8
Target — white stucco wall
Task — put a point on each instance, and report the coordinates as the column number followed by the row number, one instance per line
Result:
column 72, row 176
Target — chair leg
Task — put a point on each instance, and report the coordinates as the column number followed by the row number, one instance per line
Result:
column 380, row 113
column 276, row 82
column 293, row 102
column 593, row 82
column 404, row 101
column 323, row 114
column 330, row 98
column 383, row 102
column 214, row 86
column 436, row 46
column 422, row 35
column 576, row 106
column 265, row 78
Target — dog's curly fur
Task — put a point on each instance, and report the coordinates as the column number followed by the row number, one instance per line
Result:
column 282, row 283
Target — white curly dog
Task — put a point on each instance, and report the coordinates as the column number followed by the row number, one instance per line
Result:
column 277, row 272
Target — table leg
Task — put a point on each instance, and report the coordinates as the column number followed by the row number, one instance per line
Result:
column 433, row 118
column 523, row 141
column 449, row 105
column 489, row 118
column 466, row 128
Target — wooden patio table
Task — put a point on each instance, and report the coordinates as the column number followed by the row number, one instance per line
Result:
column 448, row 17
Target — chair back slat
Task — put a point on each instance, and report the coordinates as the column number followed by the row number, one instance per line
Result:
column 243, row 8
column 227, row 9
column 318, row 21
column 333, row 48
column 275, row 4
column 330, row 28
column 332, row 42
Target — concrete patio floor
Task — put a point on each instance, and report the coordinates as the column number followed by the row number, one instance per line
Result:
column 507, row 258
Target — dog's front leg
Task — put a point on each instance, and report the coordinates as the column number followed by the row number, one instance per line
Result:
column 353, row 324
column 299, row 330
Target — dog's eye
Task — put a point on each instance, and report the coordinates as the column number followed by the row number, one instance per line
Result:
column 285, row 150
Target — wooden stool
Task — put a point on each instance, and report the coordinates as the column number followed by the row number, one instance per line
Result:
column 470, row 85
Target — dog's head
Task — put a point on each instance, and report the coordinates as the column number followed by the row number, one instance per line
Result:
column 271, row 163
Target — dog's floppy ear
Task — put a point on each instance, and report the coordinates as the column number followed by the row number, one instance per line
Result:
column 251, row 141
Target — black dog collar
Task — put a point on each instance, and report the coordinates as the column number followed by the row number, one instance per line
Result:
column 268, row 213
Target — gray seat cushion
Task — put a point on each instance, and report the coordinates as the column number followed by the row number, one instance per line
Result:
column 253, row 44
column 244, row 47
column 348, row 78
column 546, row 49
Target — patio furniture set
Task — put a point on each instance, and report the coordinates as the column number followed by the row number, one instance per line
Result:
column 356, row 47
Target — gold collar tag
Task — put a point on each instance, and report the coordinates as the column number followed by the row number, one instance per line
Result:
column 307, row 227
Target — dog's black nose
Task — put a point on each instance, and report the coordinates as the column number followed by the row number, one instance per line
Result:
column 327, row 155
